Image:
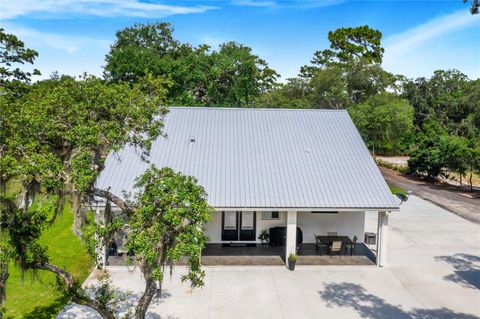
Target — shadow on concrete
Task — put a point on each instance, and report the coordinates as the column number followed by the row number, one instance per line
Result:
column 466, row 269
column 368, row 305
column 128, row 304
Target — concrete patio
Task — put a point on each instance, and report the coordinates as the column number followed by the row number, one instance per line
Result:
column 433, row 272
column 220, row 255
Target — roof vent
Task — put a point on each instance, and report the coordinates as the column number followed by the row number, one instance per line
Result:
column 192, row 139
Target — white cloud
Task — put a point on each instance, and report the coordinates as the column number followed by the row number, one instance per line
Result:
column 103, row 8
column 70, row 44
column 441, row 43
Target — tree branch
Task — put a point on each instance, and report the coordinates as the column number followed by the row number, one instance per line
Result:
column 79, row 298
column 104, row 312
column 114, row 199
column 66, row 276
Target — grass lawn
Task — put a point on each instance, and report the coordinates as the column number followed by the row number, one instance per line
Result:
column 395, row 189
column 36, row 296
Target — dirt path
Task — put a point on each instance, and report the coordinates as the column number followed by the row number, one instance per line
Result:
column 458, row 201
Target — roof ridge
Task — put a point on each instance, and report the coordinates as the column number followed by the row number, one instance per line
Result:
column 251, row 109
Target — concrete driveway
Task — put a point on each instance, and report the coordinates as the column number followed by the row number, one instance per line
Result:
column 433, row 272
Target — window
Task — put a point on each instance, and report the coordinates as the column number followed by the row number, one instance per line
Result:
column 230, row 220
column 270, row 215
column 247, row 220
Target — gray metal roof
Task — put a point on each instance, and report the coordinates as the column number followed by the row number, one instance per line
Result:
column 262, row 158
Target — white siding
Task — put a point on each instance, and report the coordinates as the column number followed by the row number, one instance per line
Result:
column 214, row 228
column 344, row 223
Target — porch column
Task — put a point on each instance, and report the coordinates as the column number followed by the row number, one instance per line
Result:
column 101, row 261
column 382, row 236
column 291, row 245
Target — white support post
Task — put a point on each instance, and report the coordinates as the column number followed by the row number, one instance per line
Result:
column 291, row 245
column 382, row 237
column 102, row 250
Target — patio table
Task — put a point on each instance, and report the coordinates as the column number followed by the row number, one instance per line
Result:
column 328, row 240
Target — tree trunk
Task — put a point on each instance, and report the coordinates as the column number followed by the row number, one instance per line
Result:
column 144, row 302
column 3, row 186
column 58, row 207
column 78, row 213
column 471, row 181
column 3, row 281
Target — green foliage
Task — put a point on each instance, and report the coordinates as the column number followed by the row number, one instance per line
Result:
column 143, row 49
column 264, row 235
column 347, row 74
column 444, row 97
column 329, row 89
column 60, row 132
column 292, row 257
column 12, row 54
column 295, row 94
column 238, row 76
column 437, row 152
column 397, row 190
column 426, row 155
column 168, row 223
column 231, row 76
column 365, row 80
column 385, row 122
column 41, row 298
column 97, row 235
column 475, row 7
column 348, row 45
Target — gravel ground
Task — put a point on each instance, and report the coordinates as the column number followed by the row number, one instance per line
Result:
column 461, row 202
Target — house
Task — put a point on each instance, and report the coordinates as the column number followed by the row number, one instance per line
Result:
column 264, row 168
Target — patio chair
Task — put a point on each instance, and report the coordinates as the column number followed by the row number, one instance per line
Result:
column 319, row 245
column 331, row 233
column 336, row 248
column 352, row 246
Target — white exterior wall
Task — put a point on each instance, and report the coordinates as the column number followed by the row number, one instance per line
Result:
column 344, row 223
column 214, row 228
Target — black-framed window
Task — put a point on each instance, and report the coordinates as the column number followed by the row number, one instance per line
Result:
column 270, row 215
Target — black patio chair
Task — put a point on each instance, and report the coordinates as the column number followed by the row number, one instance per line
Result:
column 320, row 245
column 352, row 246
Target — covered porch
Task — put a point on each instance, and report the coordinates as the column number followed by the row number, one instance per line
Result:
column 263, row 255
column 299, row 231
column 236, row 237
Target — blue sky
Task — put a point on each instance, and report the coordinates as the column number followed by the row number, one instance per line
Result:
column 73, row 36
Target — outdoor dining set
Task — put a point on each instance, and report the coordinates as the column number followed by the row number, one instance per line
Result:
column 333, row 244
